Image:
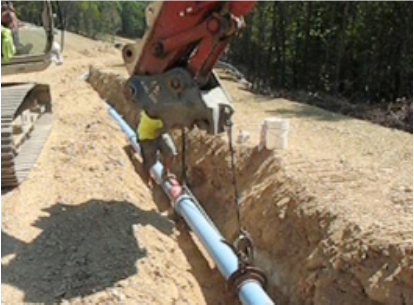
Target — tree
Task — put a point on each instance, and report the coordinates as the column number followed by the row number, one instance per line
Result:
column 360, row 50
column 133, row 18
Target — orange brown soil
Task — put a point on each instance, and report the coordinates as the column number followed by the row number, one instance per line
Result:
column 331, row 216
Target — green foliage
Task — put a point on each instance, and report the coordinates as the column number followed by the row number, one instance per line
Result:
column 133, row 18
column 29, row 11
column 361, row 50
column 92, row 18
column 95, row 19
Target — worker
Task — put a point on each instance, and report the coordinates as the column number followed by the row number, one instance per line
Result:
column 55, row 54
column 153, row 138
column 7, row 15
column 7, row 47
column 9, row 20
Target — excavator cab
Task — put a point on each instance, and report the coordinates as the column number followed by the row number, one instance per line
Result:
column 31, row 27
column 26, row 110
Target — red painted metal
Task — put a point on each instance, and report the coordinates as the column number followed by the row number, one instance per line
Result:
column 176, row 190
column 191, row 34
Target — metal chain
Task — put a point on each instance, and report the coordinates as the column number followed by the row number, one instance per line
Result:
column 243, row 245
column 183, row 159
column 243, row 242
column 233, row 169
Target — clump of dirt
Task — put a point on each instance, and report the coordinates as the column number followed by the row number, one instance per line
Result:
column 312, row 255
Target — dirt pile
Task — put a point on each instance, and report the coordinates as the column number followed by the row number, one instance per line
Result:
column 83, row 228
column 323, row 230
column 312, row 254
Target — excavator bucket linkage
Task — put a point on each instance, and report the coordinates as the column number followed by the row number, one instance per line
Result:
column 171, row 67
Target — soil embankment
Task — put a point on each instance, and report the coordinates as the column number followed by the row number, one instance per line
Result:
column 331, row 217
column 83, row 227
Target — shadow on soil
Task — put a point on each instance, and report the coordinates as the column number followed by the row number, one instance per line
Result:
column 82, row 249
column 9, row 244
column 208, row 277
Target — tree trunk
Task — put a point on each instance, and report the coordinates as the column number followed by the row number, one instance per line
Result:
column 305, row 51
column 341, row 47
column 282, row 31
column 261, row 36
column 273, row 40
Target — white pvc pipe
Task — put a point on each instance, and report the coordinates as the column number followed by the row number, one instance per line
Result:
column 250, row 291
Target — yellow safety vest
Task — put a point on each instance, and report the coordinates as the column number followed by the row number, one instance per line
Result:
column 147, row 127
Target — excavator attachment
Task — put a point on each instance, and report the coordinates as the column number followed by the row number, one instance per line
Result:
column 26, row 118
column 171, row 67
column 176, row 99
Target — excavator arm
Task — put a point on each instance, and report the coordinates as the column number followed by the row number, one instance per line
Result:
column 171, row 67
column 171, row 77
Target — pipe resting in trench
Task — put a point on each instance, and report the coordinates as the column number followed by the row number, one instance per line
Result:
column 250, row 291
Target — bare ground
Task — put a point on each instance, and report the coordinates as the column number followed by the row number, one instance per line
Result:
column 331, row 216
column 83, row 228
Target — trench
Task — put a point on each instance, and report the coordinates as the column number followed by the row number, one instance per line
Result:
column 296, row 242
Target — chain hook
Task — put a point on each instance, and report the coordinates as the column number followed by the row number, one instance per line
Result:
column 244, row 247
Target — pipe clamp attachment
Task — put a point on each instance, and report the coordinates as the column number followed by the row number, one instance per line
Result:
column 245, row 274
column 179, row 201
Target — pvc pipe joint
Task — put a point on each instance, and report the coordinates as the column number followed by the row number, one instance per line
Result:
column 250, row 291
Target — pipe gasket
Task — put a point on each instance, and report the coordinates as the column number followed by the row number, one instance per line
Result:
column 244, row 274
